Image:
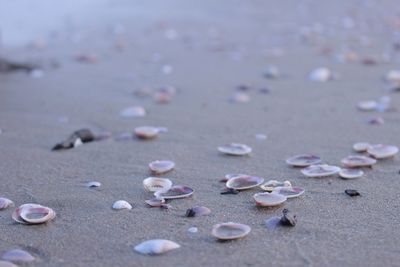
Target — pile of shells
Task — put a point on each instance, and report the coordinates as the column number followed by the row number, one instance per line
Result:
column 33, row 214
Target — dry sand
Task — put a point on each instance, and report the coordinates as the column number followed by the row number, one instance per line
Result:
column 299, row 116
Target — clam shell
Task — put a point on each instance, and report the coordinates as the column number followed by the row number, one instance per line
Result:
column 5, row 203
column 7, row 264
column 235, row 149
column 320, row 170
column 350, row 173
column 176, row 191
column 369, row 105
column 18, row 256
column 146, row 132
column 244, row 182
column 121, row 205
column 33, row 214
column 269, row 199
column 358, row 161
column 272, row 184
column 153, row 184
column 303, row 160
column 320, row 75
column 361, row 146
column 156, row 246
column 382, row 151
column 155, row 202
column 289, row 192
column 133, row 112
column 161, row 166
column 230, row 230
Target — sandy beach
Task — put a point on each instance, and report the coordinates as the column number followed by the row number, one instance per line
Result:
column 205, row 49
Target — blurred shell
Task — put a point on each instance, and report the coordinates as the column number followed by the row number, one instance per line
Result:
column 18, row 256
column 177, row 191
column 369, row 105
column 361, row 146
column 289, row 192
column 93, row 184
column 5, row 203
column 133, row 112
column 244, row 182
column 161, row 166
column 240, row 97
column 269, row 199
column 393, row 76
column 272, row 222
column 320, row 75
column 235, row 149
column 382, row 151
column 153, row 184
column 198, row 211
column 303, row 160
column 358, row 161
column 272, row 72
column 121, row 205
column 155, row 202
column 146, row 132
column 320, row 170
column 272, row 184
column 7, row 264
column 230, row 230
column 33, row 214
column 350, row 173
column 156, row 246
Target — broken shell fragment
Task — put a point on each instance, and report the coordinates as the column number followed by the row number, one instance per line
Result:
column 361, row 146
column 33, row 214
column 156, row 246
column 320, row 170
column 230, row 231
column 197, row 211
column 358, row 161
column 133, row 112
column 350, row 173
column 303, row 160
column 176, row 191
column 121, row 205
column 320, row 75
column 146, row 132
column 161, row 166
column 153, row 184
column 244, row 182
column 235, row 149
column 289, row 192
column 288, row 219
column 272, row 184
column 18, row 256
column 155, row 202
column 5, row 203
column 382, row 151
column 352, row 192
column 269, row 199
column 93, row 184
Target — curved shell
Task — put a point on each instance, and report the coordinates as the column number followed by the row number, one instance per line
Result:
column 230, row 230
column 176, row 191
column 5, row 203
column 18, row 256
column 289, row 192
column 161, row 166
column 121, row 205
column 382, row 151
column 33, row 214
column 361, row 146
column 156, row 246
column 358, row 161
column 269, row 199
column 93, row 184
column 272, row 184
column 235, row 149
column 146, row 132
column 244, row 182
column 350, row 173
column 321, row 170
column 303, row 160
column 153, row 184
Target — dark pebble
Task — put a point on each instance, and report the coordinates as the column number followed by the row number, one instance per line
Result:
column 190, row 213
column 352, row 192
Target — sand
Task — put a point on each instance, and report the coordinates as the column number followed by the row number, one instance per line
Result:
column 298, row 116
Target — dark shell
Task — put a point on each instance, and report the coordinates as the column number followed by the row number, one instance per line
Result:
column 84, row 134
column 288, row 219
column 230, row 191
column 352, row 192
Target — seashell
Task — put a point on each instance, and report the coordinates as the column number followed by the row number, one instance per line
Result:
column 146, row 132
column 320, row 75
column 230, row 191
column 156, row 246
column 192, row 230
column 271, row 184
column 7, row 264
column 272, row 222
column 240, row 97
column 272, row 72
column 289, row 192
column 78, row 142
column 320, row 170
column 393, row 76
column 93, row 184
column 197, row 211
column 288, row 219
column 303, row 160
column 133, row 112
column 358, row 161
column 269, row 199
column 350, row 173
column 235, row 149
column 176, row 191
column 161, row 166
column 230, row 176
column 153, row 184
column 121, row 205
column 369, row 105
column 155, row 202
column 33, row 214
column 361, row 146
column 230, row 230
column 382, row 151
column 244, row 182
column 5, row 203
column 352, row 192
column 18, row 256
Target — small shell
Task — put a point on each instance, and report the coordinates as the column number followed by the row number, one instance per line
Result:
column 161, row 166
column 5, row 203
column 361, row 146
column 235, row 149
column 121, row 205
column 382, row 151
column 191, row 230
column 303, row 160
column 155, row 202
column 156, row 246
column 153, row 184
column 33, row 214
column 350, row 173
column 240, row 97
column 93, row 184
column 244, row 182
column 7, row 264
column 18, row 256
column 198, row 211
column 321, row 170
column 272, row 184
column 289, row 192
column 320, row 75
column 146, row 132
column 369, row 105
column 177, row 191
column 230, row 230
column 269, row 199
column 358, row 161
column 133, row 112
column 393, row 76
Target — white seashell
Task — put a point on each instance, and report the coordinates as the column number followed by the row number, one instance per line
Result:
column 235, row 149
column 350, row 173
column 358, row 161
column 382, row 151
column 269, row 199
column 156, row 246
column 133, row 112
column 320, row 75
column 121, row 204
column 5, row 203
column 230, row 230
column 272, row 184
column 161, row 166
column 146, row 132
column 78, row 142
column 176, row 191
column 33, row 214
column 153, row 184
column 320, row 170
column 244, row 182
column 369, row 105
column 93, row 184
column 303, row 160
column 18, row 256
column 289, row 192
column 361, row 146
column 7, row 264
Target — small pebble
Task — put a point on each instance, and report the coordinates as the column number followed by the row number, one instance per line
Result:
column 352, row 192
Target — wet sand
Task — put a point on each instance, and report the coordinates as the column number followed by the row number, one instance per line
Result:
column 218, row 47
